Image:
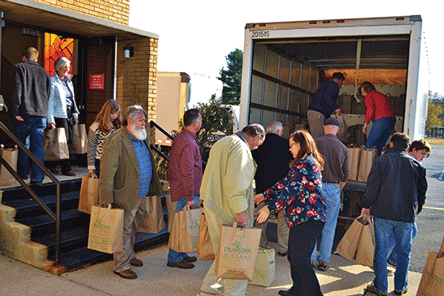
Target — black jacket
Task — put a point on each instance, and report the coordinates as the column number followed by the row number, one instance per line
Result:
column 273, row 160
column 396, row 186
column 31, row 88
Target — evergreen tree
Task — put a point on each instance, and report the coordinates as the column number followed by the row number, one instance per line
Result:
column 231, row 78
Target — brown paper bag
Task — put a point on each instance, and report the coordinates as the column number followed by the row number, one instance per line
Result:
column 79, row 144
column 366, row 162
column 106, row 230
column 153, row 221
column 205, row 246
column 56, row 146
column 354, row 157
column 171, row 209
column 237, row 252
column 366, row 247
column 432, row 280
column 348, row 245
column 265, row 267
column 89, row 194
column 11, row 156
column 184, row 236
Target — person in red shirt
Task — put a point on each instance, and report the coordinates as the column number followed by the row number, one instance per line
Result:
column 379, row 111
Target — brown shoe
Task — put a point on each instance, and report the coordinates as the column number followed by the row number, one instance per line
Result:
column 190, row 258
column 136, row 262
column 69, row 173
column 127, row 274
column 372, row 289
column 181, row 264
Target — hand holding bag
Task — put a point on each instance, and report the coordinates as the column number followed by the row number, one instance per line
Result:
column 106, row 230
column 153, row 221
column 89, row 193
column 237, row 252
column 366, row 246
column 184, row 236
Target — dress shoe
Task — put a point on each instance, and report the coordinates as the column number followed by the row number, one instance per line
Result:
column 69, row 173
column 136, row 262
column 53, row 170
column 282, row 254
column 36, row 183
column 181, row 264
column 284, row 292
column 190, row 258
column 372, row 289
column 127, row 274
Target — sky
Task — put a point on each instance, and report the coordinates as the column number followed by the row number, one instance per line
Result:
column 195, row 36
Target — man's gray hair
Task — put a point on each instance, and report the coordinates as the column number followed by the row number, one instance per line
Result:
column 254, row 129
column 275, row 127
column 132, row 112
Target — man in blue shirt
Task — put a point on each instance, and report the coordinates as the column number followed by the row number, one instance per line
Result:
column 128, row 175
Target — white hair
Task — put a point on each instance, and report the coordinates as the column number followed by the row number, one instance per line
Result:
column 61, row 62
column 275, row 127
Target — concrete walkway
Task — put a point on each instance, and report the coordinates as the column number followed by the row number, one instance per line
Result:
column 155, row 278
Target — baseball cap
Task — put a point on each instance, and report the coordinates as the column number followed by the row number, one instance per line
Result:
column 331, row 121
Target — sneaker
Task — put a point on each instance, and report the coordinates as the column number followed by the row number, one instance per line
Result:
column 401, row 292
column 322, row 266
column 372, row 289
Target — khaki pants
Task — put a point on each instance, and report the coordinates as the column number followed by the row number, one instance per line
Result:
column 131, row 223
column 282, row 230
column 211, row 283
column 316, row 122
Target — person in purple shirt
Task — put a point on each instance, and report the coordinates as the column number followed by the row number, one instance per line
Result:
column 323, row 104
column 185, row 176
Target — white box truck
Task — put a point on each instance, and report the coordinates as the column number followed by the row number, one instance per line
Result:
column 285, row 62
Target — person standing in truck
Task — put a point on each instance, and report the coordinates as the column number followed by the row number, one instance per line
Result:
column 323, row 104
column 379, row 111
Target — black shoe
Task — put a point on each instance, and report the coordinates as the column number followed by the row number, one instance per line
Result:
column 190, row 258
column 282, row 254
column 322, row 266
column 36, row 183
column 401, row 292
column 284, row 293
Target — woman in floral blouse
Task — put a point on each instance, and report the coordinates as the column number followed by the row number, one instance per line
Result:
column 299, row 195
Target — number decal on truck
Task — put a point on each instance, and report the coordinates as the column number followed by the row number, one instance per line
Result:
column 261, row 34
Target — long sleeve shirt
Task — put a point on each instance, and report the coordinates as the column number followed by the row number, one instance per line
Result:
column 377, row 106
column 299, row 193
column 324, row 99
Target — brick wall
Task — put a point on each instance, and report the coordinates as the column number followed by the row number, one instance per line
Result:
column 137, row 77
column 112, row 10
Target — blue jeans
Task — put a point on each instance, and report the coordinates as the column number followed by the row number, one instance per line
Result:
column 174, row 256
column 402, row 234
column 331, row 195
column 30, row 133
column 393, row 257
column 380, row 132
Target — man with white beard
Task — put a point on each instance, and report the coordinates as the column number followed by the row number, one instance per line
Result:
column 127, row 175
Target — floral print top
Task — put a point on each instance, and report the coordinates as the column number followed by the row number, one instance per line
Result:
column 299, row 193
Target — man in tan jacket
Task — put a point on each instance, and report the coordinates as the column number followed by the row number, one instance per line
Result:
column 128, row 175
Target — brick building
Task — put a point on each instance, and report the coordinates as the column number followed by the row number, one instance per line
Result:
column 99, row 33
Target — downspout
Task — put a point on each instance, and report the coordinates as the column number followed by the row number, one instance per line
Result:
column 114, row 68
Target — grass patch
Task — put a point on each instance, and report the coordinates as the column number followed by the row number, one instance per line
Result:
column 433, row 141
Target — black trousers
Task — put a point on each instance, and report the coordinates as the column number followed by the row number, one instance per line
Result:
column 301, row 242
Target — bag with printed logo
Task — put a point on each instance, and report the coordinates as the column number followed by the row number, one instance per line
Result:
column 106, row 230
column 237, row 252
column 184, row 234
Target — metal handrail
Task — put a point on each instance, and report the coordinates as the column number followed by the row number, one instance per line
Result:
column 57, row 216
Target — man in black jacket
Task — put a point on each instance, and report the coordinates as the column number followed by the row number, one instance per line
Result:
column 272, row 159
column 394, row 195
column 31, row 88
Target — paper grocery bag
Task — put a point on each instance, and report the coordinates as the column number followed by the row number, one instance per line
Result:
column 237, row 252
column 79, row 144
column 89, row 194
column 265, row 267
column 432, row 280
column 10, row 155
column 348, row 245
column 106, row 230
column 366, row 246
column 153, row 221
column 354, row 157
column 205, row 248
column 184, row 235
column 56, row 146
column 366, row 162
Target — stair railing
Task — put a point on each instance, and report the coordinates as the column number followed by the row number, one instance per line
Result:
column 57, row 216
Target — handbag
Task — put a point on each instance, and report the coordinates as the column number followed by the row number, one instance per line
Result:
column 89, row 193
column 10, row 155
column 56, row 146
column 79, row 144
column 237, row 252
column 265, row 267
column 153, row 221
column 365, row 163
column 106, row 230
column 184, row 236
column 205, row 246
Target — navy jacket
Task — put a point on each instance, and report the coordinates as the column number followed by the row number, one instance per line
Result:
column 324, row 99
column 396, row 186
